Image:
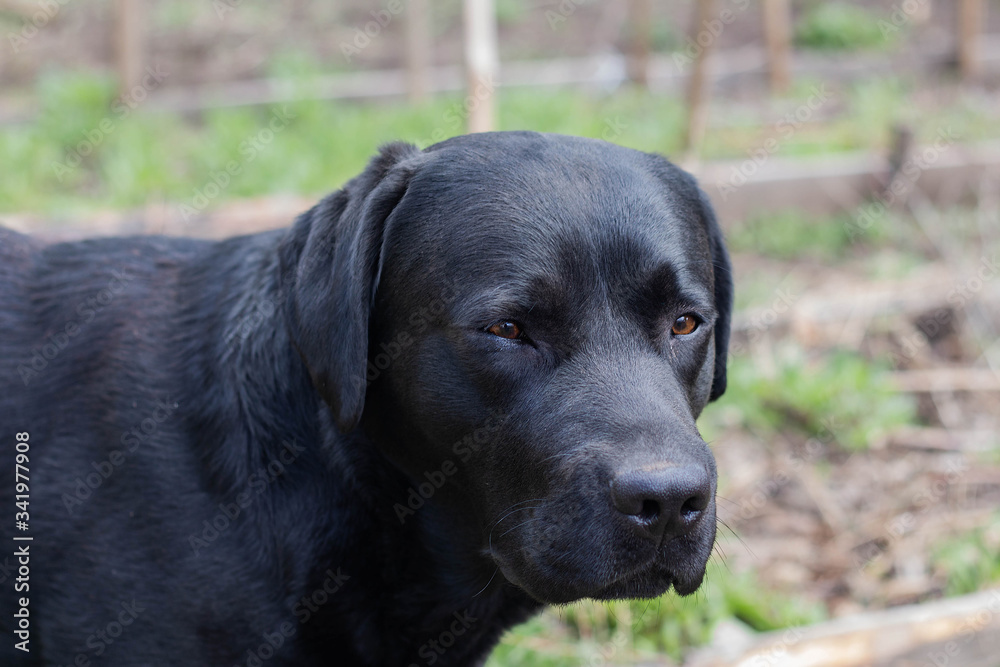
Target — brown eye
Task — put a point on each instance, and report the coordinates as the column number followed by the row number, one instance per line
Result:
column 684, row 325
column 506, row 329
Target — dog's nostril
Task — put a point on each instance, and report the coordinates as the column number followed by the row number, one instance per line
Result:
column 650, row 510
column 661, row 503
column 693, row 506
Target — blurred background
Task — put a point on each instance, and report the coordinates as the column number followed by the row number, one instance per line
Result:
column 852, row 150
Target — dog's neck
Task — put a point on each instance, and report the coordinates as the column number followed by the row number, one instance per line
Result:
column 341, row 485
column 419, row 569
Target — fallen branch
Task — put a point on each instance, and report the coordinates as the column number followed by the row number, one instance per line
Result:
column 966, row 630
column 939, row 439
column 946, row 379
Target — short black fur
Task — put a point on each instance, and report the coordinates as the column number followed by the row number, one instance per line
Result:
column 303, row 447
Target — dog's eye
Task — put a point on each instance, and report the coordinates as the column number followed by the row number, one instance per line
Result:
column 684, row 325
column 506, row 329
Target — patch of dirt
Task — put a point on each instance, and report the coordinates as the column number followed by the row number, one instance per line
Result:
column 861, row 529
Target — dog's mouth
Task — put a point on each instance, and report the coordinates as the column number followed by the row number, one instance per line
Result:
column 609, row 571
column 651, row 582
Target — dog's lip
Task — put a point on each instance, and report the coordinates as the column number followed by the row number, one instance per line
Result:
column 653, row 579
column 647, row 574
column 647, row 580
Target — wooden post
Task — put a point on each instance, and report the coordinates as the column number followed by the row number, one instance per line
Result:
column 418, row 50
column 697, row 104
column 640, row 22
column 777, row 33
column 971, row 16
column 130, row 43
column 19, row 7
column 481, row 63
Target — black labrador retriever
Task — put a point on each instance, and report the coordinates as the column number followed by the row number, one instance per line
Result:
column 461, row 388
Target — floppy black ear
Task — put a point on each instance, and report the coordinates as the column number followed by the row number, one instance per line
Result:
column 723, row 277
column 330, row 270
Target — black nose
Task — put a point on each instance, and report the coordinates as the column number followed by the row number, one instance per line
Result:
column 662, row 503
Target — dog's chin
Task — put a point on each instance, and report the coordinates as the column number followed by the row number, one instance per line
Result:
column 558, row 568
column 648, row 582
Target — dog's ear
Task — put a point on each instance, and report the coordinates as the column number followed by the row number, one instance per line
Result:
column 723, row 277
column 330, row 271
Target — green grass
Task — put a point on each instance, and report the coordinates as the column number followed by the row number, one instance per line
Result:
column 840, row 398
column 841, row 26
column 791, row 235
column 136, row 156
column 970, row 562
column 642, row 629
column 146, row 157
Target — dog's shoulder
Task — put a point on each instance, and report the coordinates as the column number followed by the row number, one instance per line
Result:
column 17, row 254
column 62, row 304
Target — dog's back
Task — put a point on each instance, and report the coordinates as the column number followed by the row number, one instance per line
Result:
column 91, row 358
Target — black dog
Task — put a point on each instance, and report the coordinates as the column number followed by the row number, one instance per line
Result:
column 460, row 388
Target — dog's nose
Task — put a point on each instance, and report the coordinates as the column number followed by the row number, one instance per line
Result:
column 662, row 503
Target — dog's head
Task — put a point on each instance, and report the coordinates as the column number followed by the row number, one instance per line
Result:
column 537, row 321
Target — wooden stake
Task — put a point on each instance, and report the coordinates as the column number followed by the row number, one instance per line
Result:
column 971, row 15
column 697, row 104
column 130, row 43
column 418, row 50
column 777, row 16
column 641, row 19
column 481, row 63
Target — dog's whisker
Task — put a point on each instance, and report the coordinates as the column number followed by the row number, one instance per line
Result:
column 731, row 502
column 507, row 514
column 736, row 535
column 513, row 509
column 718, row 550
column 488, row 582
column 523, row 523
